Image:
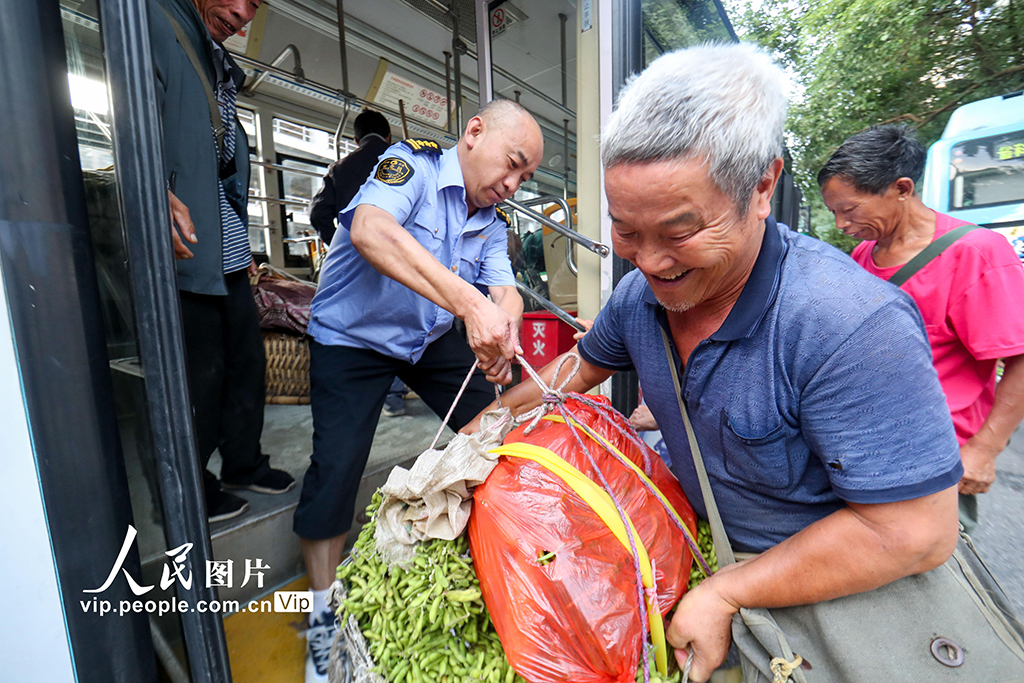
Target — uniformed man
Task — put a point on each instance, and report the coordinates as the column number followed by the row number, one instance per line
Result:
column 419, row 245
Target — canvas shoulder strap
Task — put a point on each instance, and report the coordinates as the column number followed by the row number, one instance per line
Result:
column 722, row 546
column 929, row 254
column 211, row 99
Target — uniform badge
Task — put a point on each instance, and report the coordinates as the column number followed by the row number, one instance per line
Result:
column 393, row 171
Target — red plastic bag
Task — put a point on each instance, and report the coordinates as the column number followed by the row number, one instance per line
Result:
column 560, row 586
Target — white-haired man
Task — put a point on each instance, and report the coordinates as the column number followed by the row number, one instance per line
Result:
column 795, row 367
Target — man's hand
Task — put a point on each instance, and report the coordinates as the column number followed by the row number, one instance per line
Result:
column 642, row 419
column 181, row 221
column 493, row 336
column 498, row 370
column 979, row 468
column 703, row 625
column 587, row 324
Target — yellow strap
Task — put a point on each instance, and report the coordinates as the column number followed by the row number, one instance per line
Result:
column 599, row 500
column 657, row 492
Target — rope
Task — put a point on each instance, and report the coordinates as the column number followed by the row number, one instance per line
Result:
column 462, row 389
column 784, row 669
column 554, row 398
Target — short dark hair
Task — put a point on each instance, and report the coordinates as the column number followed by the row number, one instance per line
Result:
column 876, row 158
column 370, row 122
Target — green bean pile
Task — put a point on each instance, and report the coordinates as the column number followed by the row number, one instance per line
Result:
column 428, row 623
column 707, row 549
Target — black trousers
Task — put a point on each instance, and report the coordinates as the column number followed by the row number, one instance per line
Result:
column 347, row 391
column 226, row 369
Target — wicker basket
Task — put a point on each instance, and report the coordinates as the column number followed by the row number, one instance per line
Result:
column 287, row 368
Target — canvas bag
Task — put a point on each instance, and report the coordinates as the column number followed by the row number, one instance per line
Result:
column 952, row 623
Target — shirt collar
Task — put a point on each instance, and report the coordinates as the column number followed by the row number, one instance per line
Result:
column 363, row 141
column 449, row 174
column 758, row 293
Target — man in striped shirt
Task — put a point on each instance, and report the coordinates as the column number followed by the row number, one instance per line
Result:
column 207, row 163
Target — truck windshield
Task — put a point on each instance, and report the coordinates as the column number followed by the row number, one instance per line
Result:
column 987, row 171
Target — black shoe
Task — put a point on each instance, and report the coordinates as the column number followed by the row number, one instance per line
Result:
column 274, row 481
column 221, row 506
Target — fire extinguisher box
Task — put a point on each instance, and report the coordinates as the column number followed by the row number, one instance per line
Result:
column 544, row 337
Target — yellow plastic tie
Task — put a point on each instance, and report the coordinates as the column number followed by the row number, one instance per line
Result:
column 784, row 669
column 657, row 492
column 599, row 500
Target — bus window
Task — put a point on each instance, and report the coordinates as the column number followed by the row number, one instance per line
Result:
column 987, row 171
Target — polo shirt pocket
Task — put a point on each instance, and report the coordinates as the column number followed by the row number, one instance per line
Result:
column 755, row 452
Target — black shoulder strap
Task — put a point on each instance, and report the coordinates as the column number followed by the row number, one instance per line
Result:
column 211, row 99
column 915, row 264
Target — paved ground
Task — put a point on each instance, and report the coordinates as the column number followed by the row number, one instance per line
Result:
column 999, row 536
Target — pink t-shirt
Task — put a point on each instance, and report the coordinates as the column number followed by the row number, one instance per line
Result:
column 971, row 298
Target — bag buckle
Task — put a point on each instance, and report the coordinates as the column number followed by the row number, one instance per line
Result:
column 947, row 653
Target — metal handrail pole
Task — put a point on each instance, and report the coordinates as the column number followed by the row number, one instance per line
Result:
column 523, row 84
column 297, row 73
column 547, row 305
column 342, row 47
column 341, row 127
column 570, row 255
column 596, row 247
column 326, row 89
column 278, row 167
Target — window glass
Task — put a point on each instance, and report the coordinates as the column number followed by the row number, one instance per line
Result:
column 671, row 25
column 987, row 171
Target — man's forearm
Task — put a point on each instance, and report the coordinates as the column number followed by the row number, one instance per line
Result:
column 1007, row 411
column 391, row 250
column 846, row 553
column 507, row 297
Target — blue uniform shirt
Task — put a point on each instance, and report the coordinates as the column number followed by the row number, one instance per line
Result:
column 424, row 190
column 817, row 389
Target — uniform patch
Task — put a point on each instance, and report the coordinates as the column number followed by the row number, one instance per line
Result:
column 422, row 145
column 393, row 171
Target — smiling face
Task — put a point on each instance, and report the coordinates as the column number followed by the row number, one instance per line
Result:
column 225, row 18
column 497, row 156
column 683, row 233
column 865, row 215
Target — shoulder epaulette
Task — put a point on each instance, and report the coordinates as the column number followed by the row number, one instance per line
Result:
column 423, row 145
column 503, row 216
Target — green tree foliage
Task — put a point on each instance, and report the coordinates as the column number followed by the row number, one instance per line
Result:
column 857, row 63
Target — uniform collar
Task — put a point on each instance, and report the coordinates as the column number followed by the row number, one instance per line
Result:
column 758, row 293
column 449, row 174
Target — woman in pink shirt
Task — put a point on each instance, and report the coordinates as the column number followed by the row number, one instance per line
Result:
column 969, row 295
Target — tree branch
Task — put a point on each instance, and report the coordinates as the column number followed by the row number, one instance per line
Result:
column 927, row 116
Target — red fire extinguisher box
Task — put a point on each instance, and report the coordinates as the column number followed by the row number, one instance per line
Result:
column 544, row 337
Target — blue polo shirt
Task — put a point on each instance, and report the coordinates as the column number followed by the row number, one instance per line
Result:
column 424, row 190
column 817, row 389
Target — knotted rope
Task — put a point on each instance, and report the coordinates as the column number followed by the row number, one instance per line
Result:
column 784, row 669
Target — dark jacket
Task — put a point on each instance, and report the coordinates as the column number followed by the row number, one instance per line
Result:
column 190, row 151
column 343, row 180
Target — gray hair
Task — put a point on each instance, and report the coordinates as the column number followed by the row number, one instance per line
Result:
column 724, row 103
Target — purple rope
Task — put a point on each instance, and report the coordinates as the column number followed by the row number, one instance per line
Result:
column 641, row 593
column 690, row 541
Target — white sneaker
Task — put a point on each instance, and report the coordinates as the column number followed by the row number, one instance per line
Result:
column 319, row 638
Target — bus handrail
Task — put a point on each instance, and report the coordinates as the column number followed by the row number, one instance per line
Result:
column 547, row 305
column 570, row 255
